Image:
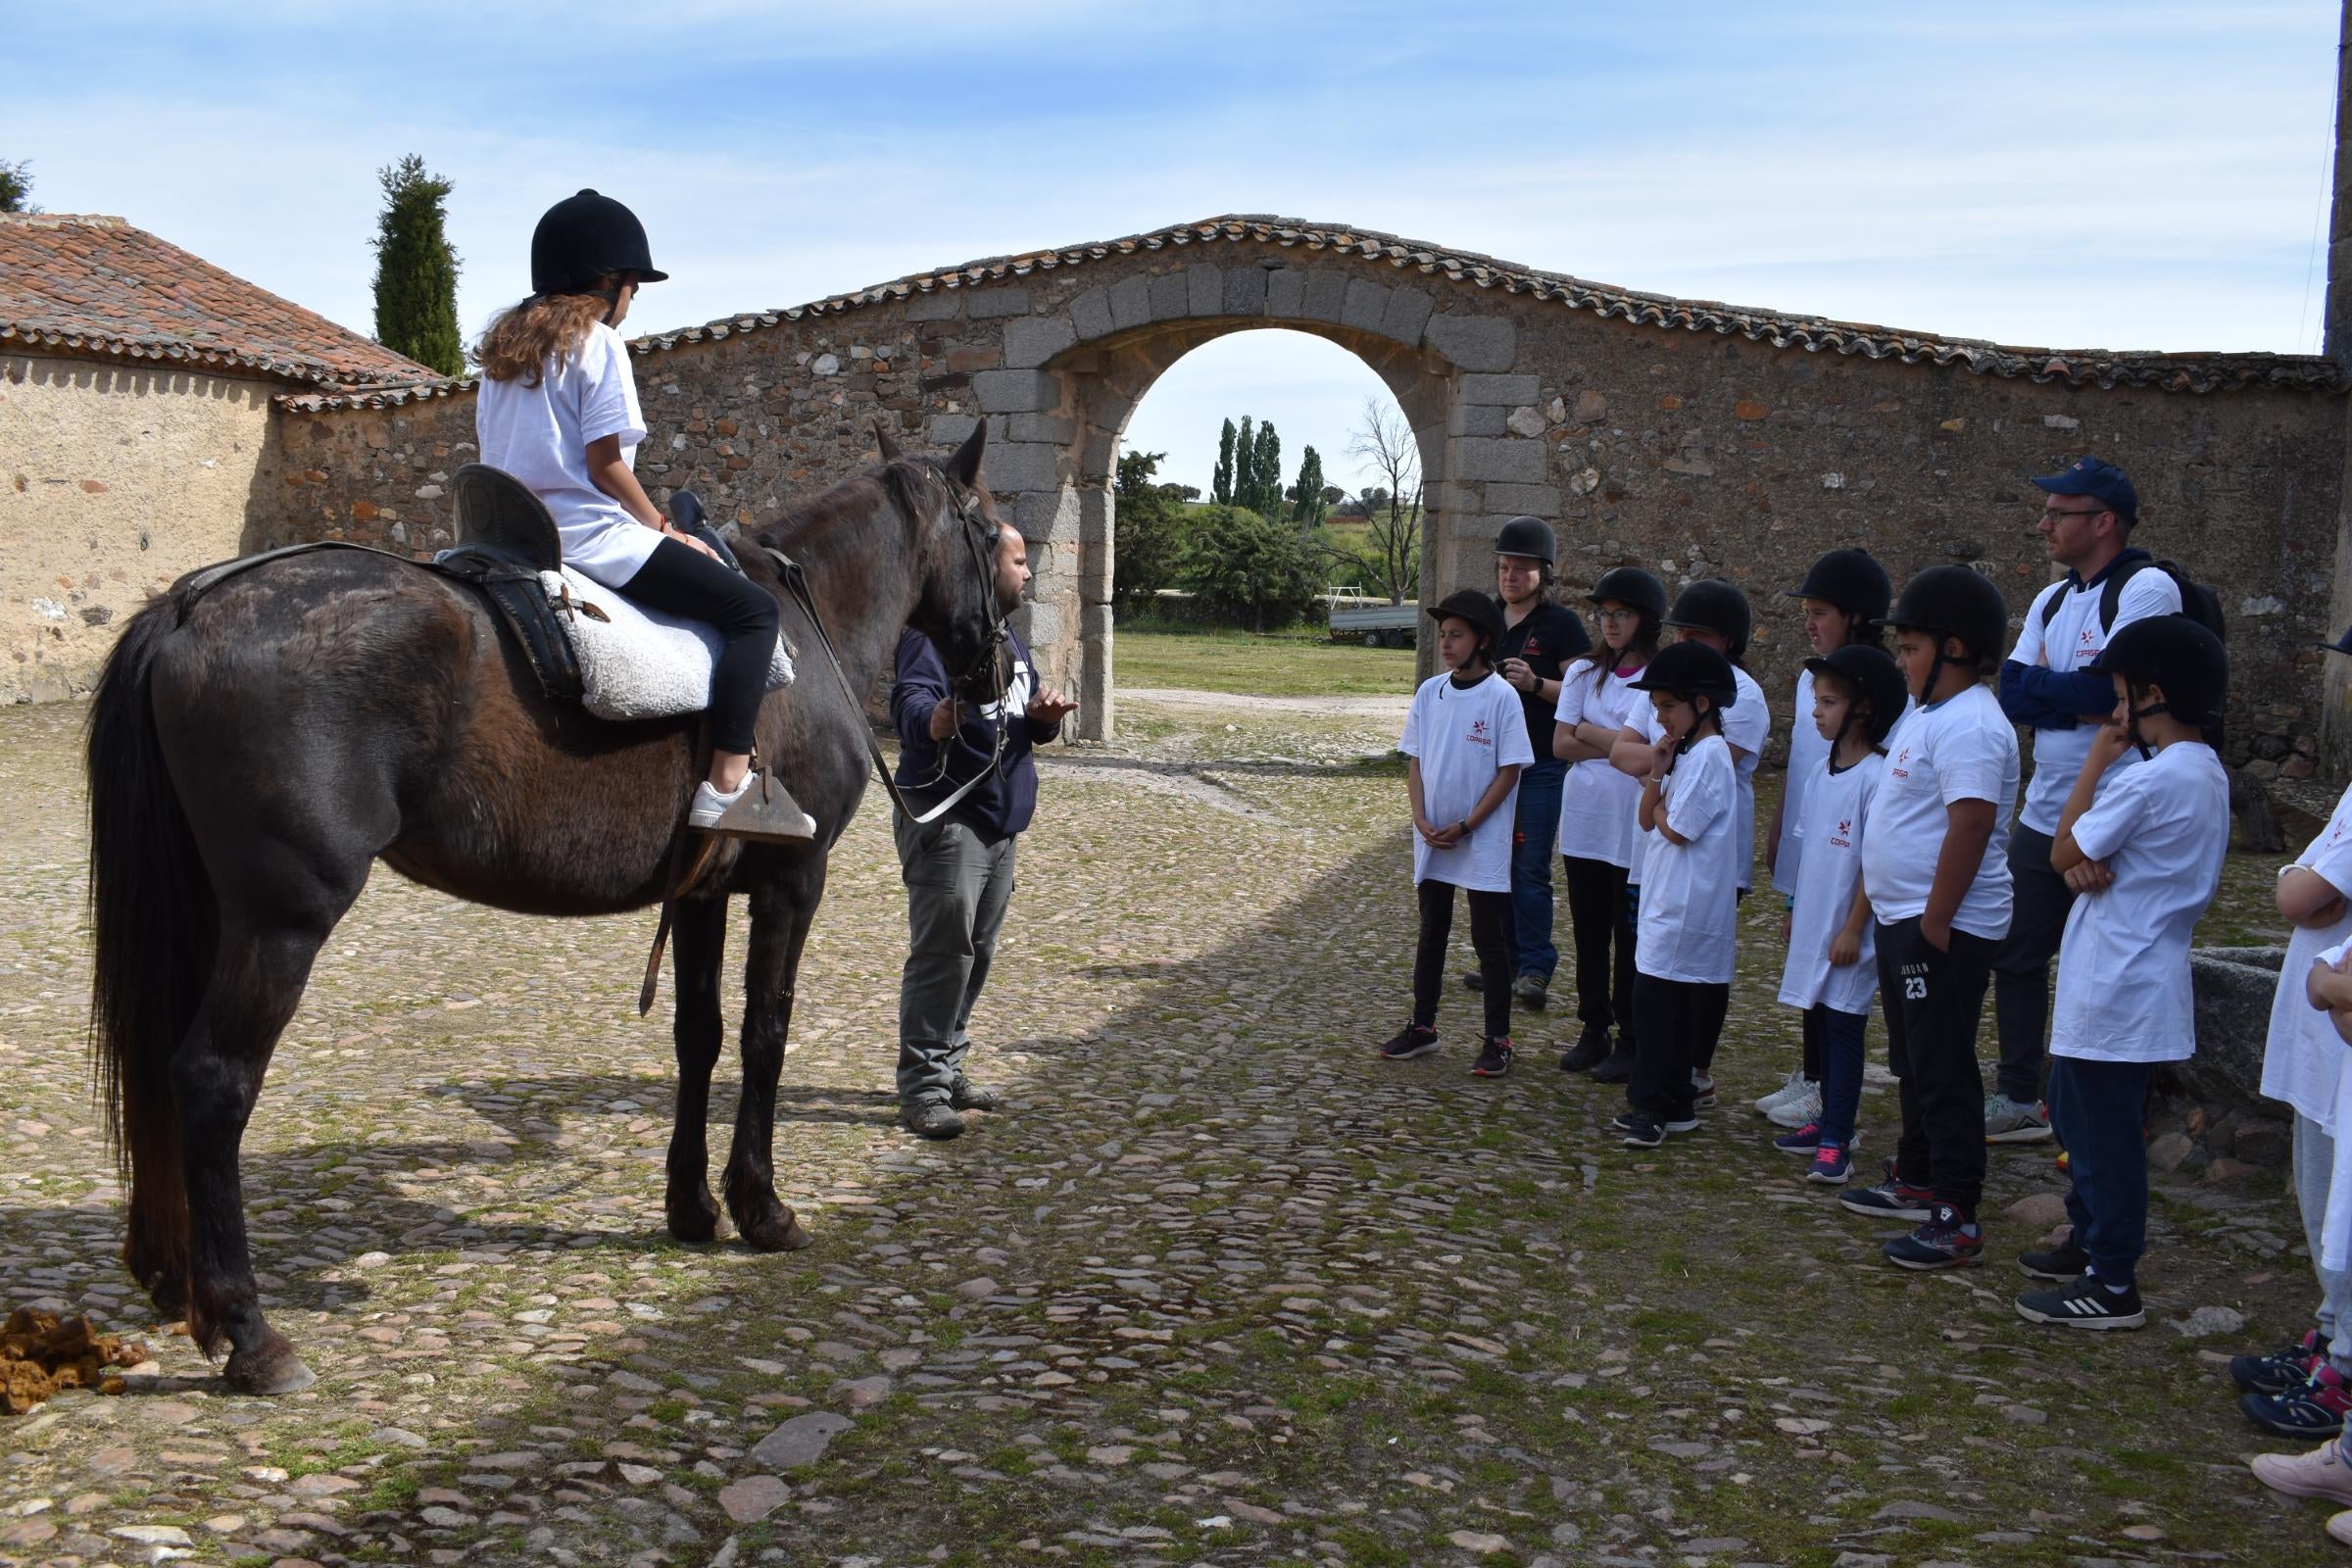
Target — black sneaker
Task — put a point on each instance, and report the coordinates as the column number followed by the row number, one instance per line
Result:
column 2085, row 1303
column 2064, row 1263
column 934, row 1119
column 2288, row 1367
column 1413, row 1040
column 1618, row 1068
column 1942, row 1241
column 2314, row 1407
column 1892, row 1199
column 1640, row 1131
column 1493, row 1059
column 966, row 1094
column 1474, row 981
column 1590, row 1050
column 1529, row 991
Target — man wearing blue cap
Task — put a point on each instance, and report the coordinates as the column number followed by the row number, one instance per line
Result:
column 2087, row 515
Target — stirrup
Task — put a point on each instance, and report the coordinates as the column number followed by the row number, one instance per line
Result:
column 765, row 812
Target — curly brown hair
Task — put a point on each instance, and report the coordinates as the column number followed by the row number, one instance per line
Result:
column 519, row 341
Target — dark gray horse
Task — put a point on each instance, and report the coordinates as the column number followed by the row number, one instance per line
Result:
column 254, row 750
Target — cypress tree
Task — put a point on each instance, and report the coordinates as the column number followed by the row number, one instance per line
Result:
column 1310, row 504
column 16, row 186
column 1266, row 472
column 1245, row 459
column 416, row 270
column 1220, row 484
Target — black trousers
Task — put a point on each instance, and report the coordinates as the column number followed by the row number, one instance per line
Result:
column 1490, row 934
column 2020, row 964
column 681, row 581
column 1677, row 1022
column 1601, row 921
column 1934, row 1002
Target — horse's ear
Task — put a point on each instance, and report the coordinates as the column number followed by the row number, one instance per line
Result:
column 889, row 448
column 965, row 467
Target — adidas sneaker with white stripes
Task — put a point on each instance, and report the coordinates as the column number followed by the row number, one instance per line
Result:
column 2085, row 1303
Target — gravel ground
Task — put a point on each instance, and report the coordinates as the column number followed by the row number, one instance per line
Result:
column 1217, row 1286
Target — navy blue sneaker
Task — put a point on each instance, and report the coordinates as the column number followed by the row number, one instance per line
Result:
column 2282, row 1369
column 1943, row 1240
column 1411, row 1040
column 2312, row 1408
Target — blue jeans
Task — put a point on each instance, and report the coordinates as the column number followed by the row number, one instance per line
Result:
column 1536, row 826
column 1839, row 1035
column 2096, row 1109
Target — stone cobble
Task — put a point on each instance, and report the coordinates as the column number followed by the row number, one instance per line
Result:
column 1217, row 1286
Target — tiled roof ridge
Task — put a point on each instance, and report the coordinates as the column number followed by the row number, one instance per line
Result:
column 2160, row 371
column 36, row 336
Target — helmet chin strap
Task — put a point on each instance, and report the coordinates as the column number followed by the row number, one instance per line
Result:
column 2132, row 717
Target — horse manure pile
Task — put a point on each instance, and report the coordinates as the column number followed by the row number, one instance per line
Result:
column 42, row 1353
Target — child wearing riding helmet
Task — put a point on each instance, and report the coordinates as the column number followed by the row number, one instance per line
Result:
column 1831, row 973
column 557, row 410
column 2141, row 848
column 1597, row 805
column 1689, row 815
column 1938, row 887
column 1465, row 741
column 1845, row 597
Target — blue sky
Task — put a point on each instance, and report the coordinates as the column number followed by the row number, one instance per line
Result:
column 2129, row 176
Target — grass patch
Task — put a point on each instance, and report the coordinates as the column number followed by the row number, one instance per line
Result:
column 1291, row 663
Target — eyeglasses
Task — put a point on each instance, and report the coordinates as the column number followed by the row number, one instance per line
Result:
column 1615, row 615
column 2069, row 512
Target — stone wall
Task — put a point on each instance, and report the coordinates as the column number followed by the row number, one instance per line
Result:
column 113, row 480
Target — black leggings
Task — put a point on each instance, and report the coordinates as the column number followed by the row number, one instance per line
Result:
column 1602, row 920
column 1490, row 934
column 679, row 580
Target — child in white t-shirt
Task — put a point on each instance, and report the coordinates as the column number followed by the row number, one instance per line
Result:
column 1938, row 887
column 1466, row 741
column 1689, row 820
column 2143, row 856
column 1830, row 972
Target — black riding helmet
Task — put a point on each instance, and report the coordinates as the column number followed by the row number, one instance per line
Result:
column 1479, row 609
column 1713, row 605
column 1953, row 602
column 1527, row 536
column 582, row 240
column 1852, row 580
column 1687, row 670
column 2175, row 653
column 2342, row 644
column 1871, row 674
column 1633, row 587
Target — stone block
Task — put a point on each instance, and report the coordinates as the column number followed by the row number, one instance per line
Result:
column 1408, row 314
column 1475, row 419
column 940, row 305
column 1016, row 391
column 1044, row 629
column 987, row 304
column 1130, row 301
column 948, row 429
column 1286, row 293
column 1047, row 517
column 1473, row 342
column 1090, row 312
column 1326, row 294
column 1245, row 291
column 1508, row 458
column 1012, row 466
column 1511, row 391
column 2234, row 986
column 1058, row 428
column 1032, row 342
column 1204, row 289
column 1172, row 297
column 1367, row 305
column 1533, row 500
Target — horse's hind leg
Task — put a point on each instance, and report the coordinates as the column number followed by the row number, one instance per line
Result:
column 699, row 938
column 780, row 917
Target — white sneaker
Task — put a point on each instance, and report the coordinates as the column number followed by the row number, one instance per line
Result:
column 710, row 804
column 1799, row 1109
column 1793, row 1084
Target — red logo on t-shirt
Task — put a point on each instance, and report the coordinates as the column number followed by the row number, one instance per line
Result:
column 1478, row 733
column 1844, row 837
column 1897, row 767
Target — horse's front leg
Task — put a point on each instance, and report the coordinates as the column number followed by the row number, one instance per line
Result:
column 698, row 934
column 780, row 915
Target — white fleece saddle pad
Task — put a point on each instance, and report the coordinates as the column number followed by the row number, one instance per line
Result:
column 637, row 663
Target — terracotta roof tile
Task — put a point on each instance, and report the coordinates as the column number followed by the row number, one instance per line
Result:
column 98, row 286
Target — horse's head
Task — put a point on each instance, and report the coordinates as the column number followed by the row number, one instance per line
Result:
column 963, row 600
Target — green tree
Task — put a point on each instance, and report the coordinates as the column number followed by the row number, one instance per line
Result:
column 1244, row 568
column 416, row 270
column 1266, row 472
column 1220, row 484
column 1308, row 505
column 16, row 186
column 1245, row 455
column 1147, row 532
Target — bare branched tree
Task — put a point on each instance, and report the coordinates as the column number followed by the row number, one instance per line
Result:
column 1384, row 440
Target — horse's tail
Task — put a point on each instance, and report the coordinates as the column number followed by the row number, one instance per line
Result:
column 155, row 925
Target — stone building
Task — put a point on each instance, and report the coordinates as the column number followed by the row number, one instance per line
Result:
column 135, row 417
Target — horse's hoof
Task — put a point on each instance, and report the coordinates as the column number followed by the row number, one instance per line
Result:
column 693, row 1217
column 781, row 1232
column 270, row 1367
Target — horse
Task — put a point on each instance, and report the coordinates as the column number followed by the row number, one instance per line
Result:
column 253, row 750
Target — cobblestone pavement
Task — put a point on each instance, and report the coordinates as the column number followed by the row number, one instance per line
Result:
column 1217, row 1286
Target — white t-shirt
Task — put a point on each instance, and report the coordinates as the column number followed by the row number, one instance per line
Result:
column 1464, row 738
column 1689, row 892
column 2303, row 1059
column 1961, row 749
column 1808, row 760
column 540, row 434
column 2335, row 1236
column 1833, row 821
column 1747, row 724
column 2072, row 639
column 2162, row 828
column 1597, row 802
column 1643, row 721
